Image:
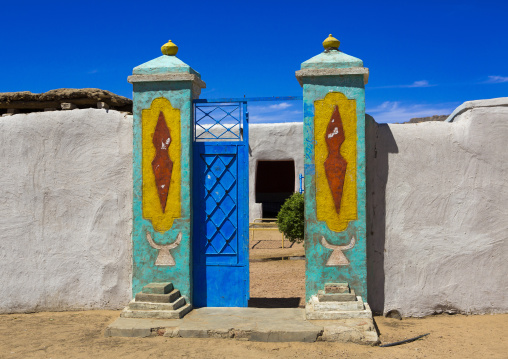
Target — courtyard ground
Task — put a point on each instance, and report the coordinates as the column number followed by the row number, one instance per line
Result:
column 80, row 335
column 274, row 283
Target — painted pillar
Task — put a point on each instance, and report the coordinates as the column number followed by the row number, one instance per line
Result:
column 335, row 193
column 163, row 92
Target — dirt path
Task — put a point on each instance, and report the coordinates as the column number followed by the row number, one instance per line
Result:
column 269, row 245
column 281, row 283
column 80, row 335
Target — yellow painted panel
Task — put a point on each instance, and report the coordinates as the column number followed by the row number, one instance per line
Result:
column 325, row 206
column 161, row 221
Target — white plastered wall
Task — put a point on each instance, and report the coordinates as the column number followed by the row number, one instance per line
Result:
column 438, row 203
column 273, row 142
column 65, row 210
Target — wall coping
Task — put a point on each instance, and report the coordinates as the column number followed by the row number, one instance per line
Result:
column 168, row 77
column 300, row 74
column 469, row 105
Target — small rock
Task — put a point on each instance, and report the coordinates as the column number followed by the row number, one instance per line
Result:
column 394, row 313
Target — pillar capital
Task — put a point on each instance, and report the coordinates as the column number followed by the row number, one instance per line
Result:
column 331, row 62
column 168, row 68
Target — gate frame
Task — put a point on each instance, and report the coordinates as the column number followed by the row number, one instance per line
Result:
column 167, row 77
column 242, row 204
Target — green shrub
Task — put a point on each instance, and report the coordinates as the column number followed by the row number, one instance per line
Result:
column 290, row 219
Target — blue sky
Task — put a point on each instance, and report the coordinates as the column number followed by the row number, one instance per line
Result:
column 425, row 57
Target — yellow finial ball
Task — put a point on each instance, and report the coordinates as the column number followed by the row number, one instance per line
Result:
column 169, row 49
column 331, row 42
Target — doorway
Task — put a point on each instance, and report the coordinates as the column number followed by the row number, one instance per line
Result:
column 275, row 182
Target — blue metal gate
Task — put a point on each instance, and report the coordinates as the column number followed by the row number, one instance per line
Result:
column 220, row 204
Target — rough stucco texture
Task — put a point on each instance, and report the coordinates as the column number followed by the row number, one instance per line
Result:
column 65, row 210
column 438, row 203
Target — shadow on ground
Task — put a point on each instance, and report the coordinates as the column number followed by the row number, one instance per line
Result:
column 293, row 302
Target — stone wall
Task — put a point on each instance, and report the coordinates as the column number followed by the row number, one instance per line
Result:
column 65, row 210
column 437, row 194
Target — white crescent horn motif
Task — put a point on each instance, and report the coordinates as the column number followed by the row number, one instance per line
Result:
column 337, row 258
column 164, row 257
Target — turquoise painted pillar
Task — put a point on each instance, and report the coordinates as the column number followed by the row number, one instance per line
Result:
column 335, row 192
column 163, row 90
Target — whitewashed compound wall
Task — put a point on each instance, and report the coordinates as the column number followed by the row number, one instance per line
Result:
column 438, row 204
column 65, row 210
column 438, row 209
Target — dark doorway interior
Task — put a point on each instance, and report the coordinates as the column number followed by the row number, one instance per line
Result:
column 275, row 182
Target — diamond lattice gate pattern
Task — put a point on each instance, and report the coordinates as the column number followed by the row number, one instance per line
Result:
column 220, row 205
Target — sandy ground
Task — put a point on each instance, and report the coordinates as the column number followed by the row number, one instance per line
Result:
column 273, row 284
column 80, row 335
column 277, row 284
column 268, row 244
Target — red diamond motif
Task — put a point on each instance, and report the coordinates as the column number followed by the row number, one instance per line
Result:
column 335, row 164
column 162, row 165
